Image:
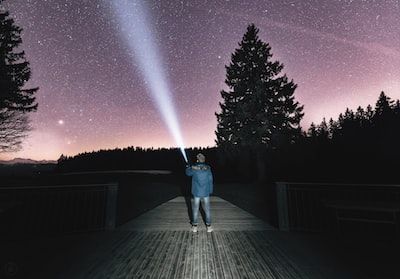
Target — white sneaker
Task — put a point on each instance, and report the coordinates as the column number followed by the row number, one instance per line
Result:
column 209, row 229
column 194, row 229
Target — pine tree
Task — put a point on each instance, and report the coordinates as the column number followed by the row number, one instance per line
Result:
column 322, row 130
column 369, row 113
column 312, row 131
column 360, row 114
column 333, row 127
column 15, row 100
column 62, row 158
column 361, row 118
column 259, row 108
column 348, row 115
column 340, row 120
column 384, row 105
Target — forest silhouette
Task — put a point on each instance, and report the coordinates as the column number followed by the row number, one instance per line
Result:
column 359, row 146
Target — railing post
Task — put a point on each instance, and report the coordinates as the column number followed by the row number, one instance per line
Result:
column 111, row 206
column 282, row 203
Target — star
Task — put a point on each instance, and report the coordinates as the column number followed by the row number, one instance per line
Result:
column 89, row 83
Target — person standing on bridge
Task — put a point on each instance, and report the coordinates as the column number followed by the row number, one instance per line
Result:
column 202, row 187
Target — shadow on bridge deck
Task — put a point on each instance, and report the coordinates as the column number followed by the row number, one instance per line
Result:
column 159, row 244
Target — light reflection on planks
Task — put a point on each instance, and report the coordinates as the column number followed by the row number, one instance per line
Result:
column 159, row 244
column 182, row 254
column 174, row 215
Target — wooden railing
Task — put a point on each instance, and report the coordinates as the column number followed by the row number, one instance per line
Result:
column 57, row 209
column 303, row 206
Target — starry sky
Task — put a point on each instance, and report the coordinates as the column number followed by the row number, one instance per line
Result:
column 92, row 96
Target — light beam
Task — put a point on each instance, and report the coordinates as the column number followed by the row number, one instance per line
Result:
column 136, row 30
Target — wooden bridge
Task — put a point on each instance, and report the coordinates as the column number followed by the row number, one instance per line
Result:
column 159, row 244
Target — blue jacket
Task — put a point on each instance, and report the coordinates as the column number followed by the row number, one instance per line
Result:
column 202, row 179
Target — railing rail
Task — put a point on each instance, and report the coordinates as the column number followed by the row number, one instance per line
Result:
column 340, row 184
column 27, row 210
column 55, row 186
column 302, row 206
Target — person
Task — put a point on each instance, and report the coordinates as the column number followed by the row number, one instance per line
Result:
column 202, row 187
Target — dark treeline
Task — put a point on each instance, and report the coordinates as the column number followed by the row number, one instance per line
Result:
column 135, row 158
column 227, row 168
column 360, row 146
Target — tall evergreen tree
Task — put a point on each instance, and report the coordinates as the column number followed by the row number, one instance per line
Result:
column 259, row 108
column 384, row 105
column 15, row 100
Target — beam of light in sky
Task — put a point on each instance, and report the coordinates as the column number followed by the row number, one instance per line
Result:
column 136, row 29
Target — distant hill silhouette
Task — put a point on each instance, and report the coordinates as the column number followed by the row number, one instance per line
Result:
column 26, row 161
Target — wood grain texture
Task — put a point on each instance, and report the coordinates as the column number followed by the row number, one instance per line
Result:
column 174, row 216
column 159, row 244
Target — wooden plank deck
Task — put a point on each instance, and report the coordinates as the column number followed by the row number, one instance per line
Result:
column 237, row 248
column 159, row 244
column 174, row 216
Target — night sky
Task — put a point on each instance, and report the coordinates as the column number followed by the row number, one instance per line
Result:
column 92, row 95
